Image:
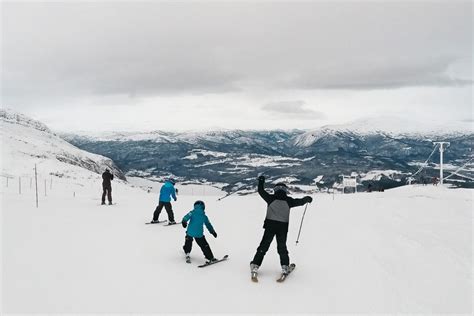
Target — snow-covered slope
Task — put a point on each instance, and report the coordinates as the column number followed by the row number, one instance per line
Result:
column 407, row 250
column 26, row 142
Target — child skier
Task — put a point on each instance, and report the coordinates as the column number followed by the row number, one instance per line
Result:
column 167, row 192
column 276, row 223
column 197, row 218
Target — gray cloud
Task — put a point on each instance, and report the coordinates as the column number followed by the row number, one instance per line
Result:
column 292, row 109
column 53, row 50
column 380, row 75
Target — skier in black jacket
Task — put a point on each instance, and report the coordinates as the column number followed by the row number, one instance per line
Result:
column 276, row 223
column 107, row 186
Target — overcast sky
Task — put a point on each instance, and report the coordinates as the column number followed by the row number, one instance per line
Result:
column 251, row 65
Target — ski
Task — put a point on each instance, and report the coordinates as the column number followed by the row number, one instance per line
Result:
column 214, row 262
column 169, row 224
column 283, row 277
column 158, row 222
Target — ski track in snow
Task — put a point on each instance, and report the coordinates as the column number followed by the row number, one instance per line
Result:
column 406, row 250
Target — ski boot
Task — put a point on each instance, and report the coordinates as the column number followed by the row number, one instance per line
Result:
column 285, row 271
column 254, row 272
column 171, row 222
column 211, row 261
column 188, row 258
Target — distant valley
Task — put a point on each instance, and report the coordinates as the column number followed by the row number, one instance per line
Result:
column 318, row 158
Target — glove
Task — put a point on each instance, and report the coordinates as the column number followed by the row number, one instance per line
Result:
column 175, row 199
column 185, row 224
column 261, row 178
column 214, row 234
column 308, row 199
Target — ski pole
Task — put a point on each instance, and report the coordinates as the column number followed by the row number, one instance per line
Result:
column 231, row 193
column 240, row 189
column 301, row 224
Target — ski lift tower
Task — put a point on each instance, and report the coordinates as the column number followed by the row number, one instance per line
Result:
column 441, row 150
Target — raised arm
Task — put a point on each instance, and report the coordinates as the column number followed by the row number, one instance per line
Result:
column 261, row 190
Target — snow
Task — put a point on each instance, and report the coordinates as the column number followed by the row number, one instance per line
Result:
column 266, row 161
column 12, row 117
column 191, row 137
column 26, row 142
column 407, row 250
column 377, row 174
column 286, row 180
column 208, row 189
column 318, row 179
column 391, row 125
column 241, row 161
column 193, row 154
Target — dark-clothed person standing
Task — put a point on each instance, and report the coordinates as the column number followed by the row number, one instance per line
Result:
column 276, row 223
column 107, row 177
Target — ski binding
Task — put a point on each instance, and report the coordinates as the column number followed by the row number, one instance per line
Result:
column 213, row 262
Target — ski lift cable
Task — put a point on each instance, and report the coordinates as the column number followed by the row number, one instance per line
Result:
column 426, row 161
column 459, row 169
column 462, row 176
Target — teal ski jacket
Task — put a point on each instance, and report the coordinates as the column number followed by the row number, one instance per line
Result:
column 197, row 219
column 167, row 191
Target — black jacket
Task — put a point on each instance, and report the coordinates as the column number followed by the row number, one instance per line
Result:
column 107, row 177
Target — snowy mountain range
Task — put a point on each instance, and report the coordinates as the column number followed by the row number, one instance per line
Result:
column 383, row 151
column 26, row 142
column 389, row 126
column 377, row 152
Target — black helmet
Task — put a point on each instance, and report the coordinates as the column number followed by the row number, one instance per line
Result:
column 199, row 202
column 173, row 182
column 280, row 186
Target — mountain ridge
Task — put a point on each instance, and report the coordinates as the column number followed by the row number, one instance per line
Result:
column 239, row 156
column 26, row 142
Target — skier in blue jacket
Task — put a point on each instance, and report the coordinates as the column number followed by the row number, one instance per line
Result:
column 167, row 192
column 197, row 219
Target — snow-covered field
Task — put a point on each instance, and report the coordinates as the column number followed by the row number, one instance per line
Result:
column 407, row 250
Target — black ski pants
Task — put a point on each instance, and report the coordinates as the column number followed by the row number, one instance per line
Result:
column 168, row 209
column 281, row 235
column 106, row 190
column 202, row 242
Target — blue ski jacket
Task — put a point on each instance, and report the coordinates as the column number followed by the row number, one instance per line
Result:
column 197, row 219
column 167, row 191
